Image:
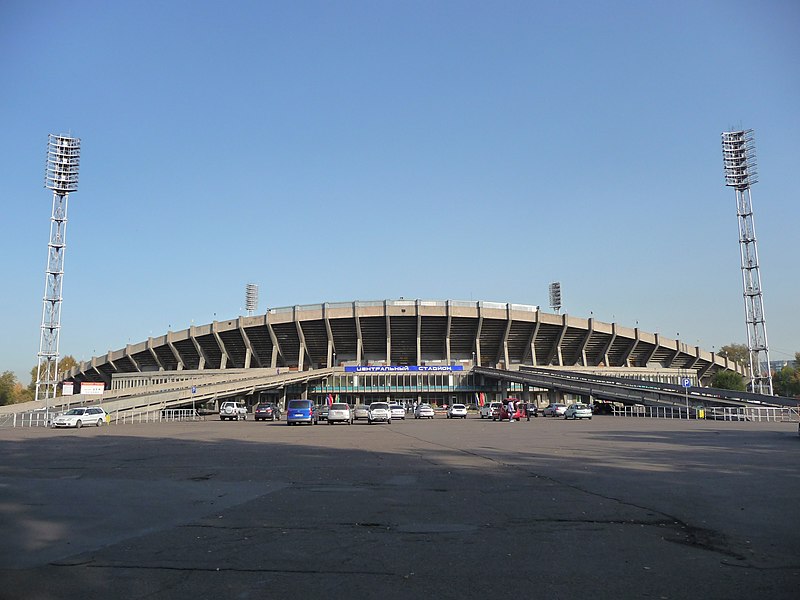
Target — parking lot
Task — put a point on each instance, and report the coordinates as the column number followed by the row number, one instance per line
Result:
column 608, row 507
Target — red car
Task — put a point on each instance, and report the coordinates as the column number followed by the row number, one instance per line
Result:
column 518, row 411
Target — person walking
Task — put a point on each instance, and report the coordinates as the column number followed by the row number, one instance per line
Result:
column 510, row 410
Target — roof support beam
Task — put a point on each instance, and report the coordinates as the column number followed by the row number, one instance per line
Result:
column 174, row 351
column 225, row 357
column 502, row 350
column 388, row 332
column 419, row 336
column 653, row 351
column 129, row 356
column 251, row 353
column 276, row 347
column 329, row 332
column 555, row 351
column 200, row 352
column 626, row 357
column 478, row 335
column 532, row 341
column 359, row 337
column 447, row 334
column 603, row 356
column 153, row 354
column 584, row 342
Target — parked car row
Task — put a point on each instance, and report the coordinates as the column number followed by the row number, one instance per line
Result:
column 305, row 411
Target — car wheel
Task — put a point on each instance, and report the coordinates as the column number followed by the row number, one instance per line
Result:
column 99, row 422
column 78, row 424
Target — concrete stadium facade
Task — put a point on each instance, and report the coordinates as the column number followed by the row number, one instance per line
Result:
column 397, row 333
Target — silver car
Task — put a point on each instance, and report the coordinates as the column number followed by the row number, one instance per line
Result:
column 339, row 412
column 361, row 411
column 554, row 410
column 379, row 412
column 423, row 411
column 578, row 411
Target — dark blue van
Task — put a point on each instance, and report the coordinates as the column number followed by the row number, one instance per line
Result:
column 301, row 411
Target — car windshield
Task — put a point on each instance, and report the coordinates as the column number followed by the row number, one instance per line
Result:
column 379, row 406
column 299, row 403
column 459, row 406
column 339, row 406
column 75, row 411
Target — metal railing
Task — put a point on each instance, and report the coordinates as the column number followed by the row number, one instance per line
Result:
column 28, row 419
column 44, row 419
column 715, row 413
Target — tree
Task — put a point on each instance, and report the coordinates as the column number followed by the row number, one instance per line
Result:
column 64, row 365
column 728, row 380
column 736, row 352
column 786, row 382
column 8, row 385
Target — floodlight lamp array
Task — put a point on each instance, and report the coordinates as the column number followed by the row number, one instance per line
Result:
column 739, row 158
column 63, row 160
column 251, row 297
column 555, row 295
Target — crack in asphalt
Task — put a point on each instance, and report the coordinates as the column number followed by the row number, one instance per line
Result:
column 97, row 565
column 686, row 534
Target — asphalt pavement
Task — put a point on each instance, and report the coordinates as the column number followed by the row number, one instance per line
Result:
column 607, row 508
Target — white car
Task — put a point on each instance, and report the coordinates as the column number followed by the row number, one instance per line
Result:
column 398, row 412
column 490, row 410
column 457, row 411
column 578, row 411
column 423, row 411
column 78, row 417
column 339, row 412
column 232, row 411
column 379, row 412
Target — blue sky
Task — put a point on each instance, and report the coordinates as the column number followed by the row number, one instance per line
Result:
column 334, row 151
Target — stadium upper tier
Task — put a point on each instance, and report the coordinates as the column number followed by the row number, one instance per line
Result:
column 402, row 332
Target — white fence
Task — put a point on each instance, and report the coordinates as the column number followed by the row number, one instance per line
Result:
column 43, row 419
column 716, row 413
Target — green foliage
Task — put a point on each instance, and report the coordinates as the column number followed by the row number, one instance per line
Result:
column 786, row 382
column 736, row 352
column 11, row 390
column 728, row 380
column 64, row 365
column 8, row 382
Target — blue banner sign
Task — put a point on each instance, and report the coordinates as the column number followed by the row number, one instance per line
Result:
column 404, row 369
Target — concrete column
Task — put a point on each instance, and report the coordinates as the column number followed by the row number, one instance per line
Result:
column 153, row 354
column 388, row 333
column 626, row 357
column 419, row 337
column 359, row 338
column 447, row 334
column 276, row 347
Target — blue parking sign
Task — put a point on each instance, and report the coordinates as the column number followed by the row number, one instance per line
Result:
column 687, row 382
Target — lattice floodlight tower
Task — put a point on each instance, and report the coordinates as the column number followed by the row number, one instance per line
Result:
column 739, row 157
column 555, row 296
column 251, row 298
column 61, row 176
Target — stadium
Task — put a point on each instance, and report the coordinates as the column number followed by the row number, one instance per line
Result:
column 397, row 350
